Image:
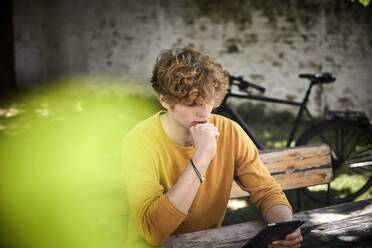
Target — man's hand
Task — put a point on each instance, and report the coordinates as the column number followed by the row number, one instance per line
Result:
column 292, row 240
column 204, row 137
column 278, row 213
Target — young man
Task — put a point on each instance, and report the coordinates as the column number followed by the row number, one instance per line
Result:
column 180, row 163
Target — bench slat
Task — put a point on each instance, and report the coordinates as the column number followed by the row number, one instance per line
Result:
column 295, row 167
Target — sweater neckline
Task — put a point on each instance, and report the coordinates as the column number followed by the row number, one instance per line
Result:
column 169, row 140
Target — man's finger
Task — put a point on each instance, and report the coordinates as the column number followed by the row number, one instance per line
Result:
column 291, row 240
column 287, row 243
column 294, row 235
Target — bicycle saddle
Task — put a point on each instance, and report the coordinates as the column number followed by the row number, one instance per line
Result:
column 319, row 77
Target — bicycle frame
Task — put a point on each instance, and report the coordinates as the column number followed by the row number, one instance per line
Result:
column 301, row 105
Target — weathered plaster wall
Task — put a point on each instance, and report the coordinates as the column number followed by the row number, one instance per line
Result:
column 268, row 42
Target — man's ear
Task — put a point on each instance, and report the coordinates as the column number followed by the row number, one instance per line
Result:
column 162, row 101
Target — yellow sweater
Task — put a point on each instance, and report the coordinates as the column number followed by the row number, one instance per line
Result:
column 153, row 163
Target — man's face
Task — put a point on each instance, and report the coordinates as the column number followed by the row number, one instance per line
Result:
column 190, row 115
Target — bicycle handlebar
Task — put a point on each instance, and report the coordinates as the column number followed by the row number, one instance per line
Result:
column 244, row 84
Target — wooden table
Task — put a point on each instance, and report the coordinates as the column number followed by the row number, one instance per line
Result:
column 344, row 225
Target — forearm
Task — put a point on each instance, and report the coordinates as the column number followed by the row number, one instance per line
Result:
column 278, row 213
column 183, row 192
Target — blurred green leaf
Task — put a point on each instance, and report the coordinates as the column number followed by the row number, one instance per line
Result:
column 60, row 168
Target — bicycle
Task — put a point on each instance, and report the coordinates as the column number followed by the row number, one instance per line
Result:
column 349, row 135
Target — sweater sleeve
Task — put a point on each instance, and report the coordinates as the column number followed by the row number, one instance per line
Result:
column 252, row 176
column 154, row 215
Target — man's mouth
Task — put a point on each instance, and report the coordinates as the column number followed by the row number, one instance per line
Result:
column 199, row 122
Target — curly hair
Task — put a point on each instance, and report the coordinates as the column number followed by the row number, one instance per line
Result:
column 189, row 76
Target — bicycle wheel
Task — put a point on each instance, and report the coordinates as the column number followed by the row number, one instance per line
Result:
column 351, row 150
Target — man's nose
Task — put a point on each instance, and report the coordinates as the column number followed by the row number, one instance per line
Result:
column 203, row 110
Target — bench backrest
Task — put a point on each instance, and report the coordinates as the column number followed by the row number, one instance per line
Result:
column 295, row 167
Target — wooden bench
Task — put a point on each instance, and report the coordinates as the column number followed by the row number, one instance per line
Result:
column 292, row 168
column 295, row 167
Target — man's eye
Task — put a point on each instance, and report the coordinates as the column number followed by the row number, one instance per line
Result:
column 192, row 105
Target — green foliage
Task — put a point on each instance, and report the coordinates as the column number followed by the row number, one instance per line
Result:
column 60, row 176
column 365, row 3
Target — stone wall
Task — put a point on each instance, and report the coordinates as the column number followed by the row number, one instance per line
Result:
column 268, row 42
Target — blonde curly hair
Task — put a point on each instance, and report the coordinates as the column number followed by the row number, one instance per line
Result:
column 188, row 76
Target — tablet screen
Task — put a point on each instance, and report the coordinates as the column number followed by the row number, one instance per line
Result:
column 272, row 232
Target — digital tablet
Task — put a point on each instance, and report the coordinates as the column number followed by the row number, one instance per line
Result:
column 272, row 232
